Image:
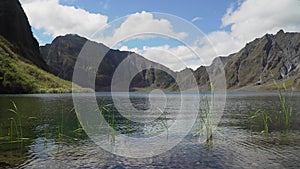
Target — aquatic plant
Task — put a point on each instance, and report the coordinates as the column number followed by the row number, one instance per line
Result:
column 1, row 129
column 107, row 111
column 286, row 107
column 265, row 118
column 279, row 119
column 13, row 124
column 206, row 114
column 18, row 123
column 164, row 121
column 61, row 125
column 128, row 125
column 79, row 128
column 206, row 119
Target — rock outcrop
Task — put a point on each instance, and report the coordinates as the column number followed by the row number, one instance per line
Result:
column 257, row 64
column 264, row 59
column 16, row 29
column 62, row 53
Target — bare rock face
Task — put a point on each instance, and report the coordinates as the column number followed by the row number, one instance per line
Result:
column 271, row 57
column 264, row 59
column 62, row 53
column 258, row 63
column 16, row 29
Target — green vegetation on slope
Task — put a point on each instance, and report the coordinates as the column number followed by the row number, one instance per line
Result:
column 17, row 75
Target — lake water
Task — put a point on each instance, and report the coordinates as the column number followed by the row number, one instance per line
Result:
column 53, row 138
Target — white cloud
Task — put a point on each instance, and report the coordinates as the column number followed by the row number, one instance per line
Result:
column 175, row 58
column 125, row 48
column 252, row 19
column 142, row 24
column 57, row 19
column 196, row 19
column 219, row 43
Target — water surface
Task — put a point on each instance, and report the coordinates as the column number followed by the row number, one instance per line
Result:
column 53, row 137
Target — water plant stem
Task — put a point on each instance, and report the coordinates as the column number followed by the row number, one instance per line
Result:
column 164, row 121
column 265, row 118
column 18, row 126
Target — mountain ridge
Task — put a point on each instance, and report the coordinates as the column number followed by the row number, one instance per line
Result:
column 271, row 57
column 256, row 65
column 61, row 56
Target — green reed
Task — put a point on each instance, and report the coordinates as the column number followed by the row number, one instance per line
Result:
column 279, row 119
column 266, row 119
column 286, row 107
column 61, row 125
column 128, row 124
column 1, row 129
column 79, row 128
column 164, row 121
column 106, row 110
column 206, row 119
column 206, row 114
column 16, row 122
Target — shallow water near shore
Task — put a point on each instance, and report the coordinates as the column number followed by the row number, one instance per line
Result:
column 52, row 137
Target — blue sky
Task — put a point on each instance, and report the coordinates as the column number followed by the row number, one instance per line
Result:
column 211, row 11
column 207, row 14
column 225, row 25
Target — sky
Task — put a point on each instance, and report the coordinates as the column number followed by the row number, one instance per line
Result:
column 183, row 33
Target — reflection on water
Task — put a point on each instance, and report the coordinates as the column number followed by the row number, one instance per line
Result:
column 56, row 139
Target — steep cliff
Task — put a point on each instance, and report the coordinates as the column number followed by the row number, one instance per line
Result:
column 264, row 59
column 16, row 29
column 18, row 76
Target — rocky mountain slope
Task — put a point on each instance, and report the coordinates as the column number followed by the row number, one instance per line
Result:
column 16, row 29
column 204, row 73
column 257, row 65
column 264, row 59
column 253, row 67
column 62, row 53
column 271, row 57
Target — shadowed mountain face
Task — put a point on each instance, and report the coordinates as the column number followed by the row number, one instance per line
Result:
column 21, row 63
column 62, row 53
column 205, row 74
column 16, row 29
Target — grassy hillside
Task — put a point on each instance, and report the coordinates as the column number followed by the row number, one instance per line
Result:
column 17, row 75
